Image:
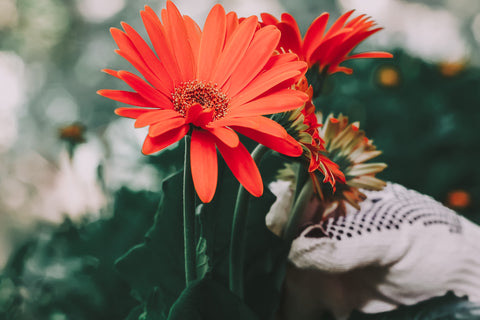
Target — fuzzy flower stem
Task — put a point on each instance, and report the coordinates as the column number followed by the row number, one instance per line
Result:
column 298, row 209
column 237, row 240
column 188, row 217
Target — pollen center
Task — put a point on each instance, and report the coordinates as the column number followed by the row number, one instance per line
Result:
column 206, row 94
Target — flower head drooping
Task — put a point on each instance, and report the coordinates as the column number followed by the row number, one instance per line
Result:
column 324, row 48
column 211, row 83
column 348, row 146
column 303, row 125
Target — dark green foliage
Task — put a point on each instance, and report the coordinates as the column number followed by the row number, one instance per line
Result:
column 155, row 268
column 425, row 126
column 208, row 300
column 68, row 271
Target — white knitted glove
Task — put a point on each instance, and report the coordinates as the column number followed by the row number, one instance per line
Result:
column 401, row 247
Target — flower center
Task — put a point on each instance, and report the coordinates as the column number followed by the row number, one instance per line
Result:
column 207, row 95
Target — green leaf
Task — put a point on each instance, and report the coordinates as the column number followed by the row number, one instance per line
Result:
column 155, row 268
column 202, row 258
column 208, row 300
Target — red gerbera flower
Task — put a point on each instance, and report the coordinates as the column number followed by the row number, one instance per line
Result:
column 302, row 124
column 327, row 49
column 210, row 83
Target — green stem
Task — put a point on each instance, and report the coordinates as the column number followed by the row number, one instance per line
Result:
column 188, row 217
column 302, row 178
column 237, row 239
column 297, row 211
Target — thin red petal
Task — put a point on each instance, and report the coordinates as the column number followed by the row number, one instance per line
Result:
column 113, row 73
column 154, row 144
column 234, row 50
column 337, row 25
column 372, row 54
column 280, row 101
column 165, row 125
column 131, row 112
column 268, row 19
column 178, row 36
column 272, row 135
column 150, row 59
column 155, row 116
column 203, row 159
column 314, row 35
column 258, row 54
column 126, row 97
column 290, row 41
column 194, row 36
column 226, row 135
column 232, row 24
column 243, row 167
column 267, row 80
column 156, row 33
column 130, row 53
column 153, row 96
column 198, row 116
column 212, row 42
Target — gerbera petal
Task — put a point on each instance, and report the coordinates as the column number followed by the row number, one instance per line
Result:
column 203, row 159
column 113, row 73
column 178, row 37
column 258, row 54
column 231, row 25
column 267, row 80
column 268, row 19
column 153, row 96
column 130, row 53
column 243, row 167
column 337, row 25
column 194, row 35
column 372, row 54
column 280, row 101
column 154, row 144
column 314, row 35
column 234, row 50
column 165, row 125
column 290, row 41
column 345, row 70
column 155, row 116
column 156, row 33
column 198, row 116
column 324, row 50
column 212, row 42
column 131, row 112
column 126, row 97
column 272, row 135
column 226, row 135
column 150, row 58
column 338, row 55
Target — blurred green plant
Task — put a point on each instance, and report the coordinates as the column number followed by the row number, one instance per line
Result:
column 67, row 272
column 424, row 119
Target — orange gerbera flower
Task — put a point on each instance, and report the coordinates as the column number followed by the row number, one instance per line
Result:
column 327, row 49
column 212, row 83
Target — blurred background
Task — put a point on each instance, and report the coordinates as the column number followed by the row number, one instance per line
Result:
column 72, row 174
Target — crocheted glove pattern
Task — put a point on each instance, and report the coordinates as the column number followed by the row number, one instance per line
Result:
column 401, row 247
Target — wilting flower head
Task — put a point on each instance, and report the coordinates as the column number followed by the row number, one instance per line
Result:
column 303, row 125
column 322, row 47
column 213, row 83
column 348, row 146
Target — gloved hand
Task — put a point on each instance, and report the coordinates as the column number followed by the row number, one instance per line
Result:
column 401, row 247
